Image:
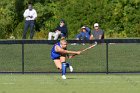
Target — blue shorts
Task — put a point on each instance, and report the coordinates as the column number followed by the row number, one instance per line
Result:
column 55, row 58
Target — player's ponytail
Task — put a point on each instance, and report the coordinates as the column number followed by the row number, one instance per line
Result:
column 63, row 40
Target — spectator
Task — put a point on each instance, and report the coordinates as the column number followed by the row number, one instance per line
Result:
column 83, row 35
column 97, row 33
column 30, row 15
column 60, row 31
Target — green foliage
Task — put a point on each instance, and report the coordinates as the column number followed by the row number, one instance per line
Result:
column 118, row 18
column 7, row 16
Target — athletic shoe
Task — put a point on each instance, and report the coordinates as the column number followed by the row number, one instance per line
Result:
column 71, row 69
column 63, row 77
column 83, row 44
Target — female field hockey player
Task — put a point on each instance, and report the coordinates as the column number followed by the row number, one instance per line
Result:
column 59, row 53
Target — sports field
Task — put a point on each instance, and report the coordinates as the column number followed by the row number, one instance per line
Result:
column 75, row 83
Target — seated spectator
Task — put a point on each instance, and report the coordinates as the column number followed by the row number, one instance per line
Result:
column 97, row 33
column 60, row 31
column 83, row 35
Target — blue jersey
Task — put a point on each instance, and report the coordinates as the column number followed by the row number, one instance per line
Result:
column 54, row 54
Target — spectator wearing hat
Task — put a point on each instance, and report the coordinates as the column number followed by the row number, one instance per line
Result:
column 84, row 34
column 97, row 33
column 60, row 31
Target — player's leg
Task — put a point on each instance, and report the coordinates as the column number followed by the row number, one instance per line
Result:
column 61, row 66
column 58, row 64
column 63, row 60
column 64, row 66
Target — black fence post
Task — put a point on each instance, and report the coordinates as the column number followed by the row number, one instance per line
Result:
column 107, row 58
column 22, row 58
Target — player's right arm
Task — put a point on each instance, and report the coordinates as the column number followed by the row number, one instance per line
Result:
column 60, row 50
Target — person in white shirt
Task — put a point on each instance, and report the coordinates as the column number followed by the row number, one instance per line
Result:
column 30, row 15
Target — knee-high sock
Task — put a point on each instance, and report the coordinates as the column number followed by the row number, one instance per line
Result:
column 64, row 66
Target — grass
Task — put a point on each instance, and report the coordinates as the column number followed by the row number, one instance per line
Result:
column 76, row 83
column 122, row 57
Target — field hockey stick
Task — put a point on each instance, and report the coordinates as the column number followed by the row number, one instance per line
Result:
column 89, row 47
column 86, row 49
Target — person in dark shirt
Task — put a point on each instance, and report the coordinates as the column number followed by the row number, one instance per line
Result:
column 60, row 31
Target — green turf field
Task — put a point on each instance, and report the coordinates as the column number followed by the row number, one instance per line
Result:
column 76, row 83
column 122, row 57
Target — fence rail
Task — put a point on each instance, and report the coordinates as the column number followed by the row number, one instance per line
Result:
column 69, row 41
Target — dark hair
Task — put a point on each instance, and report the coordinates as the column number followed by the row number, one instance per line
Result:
column 62, row 20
